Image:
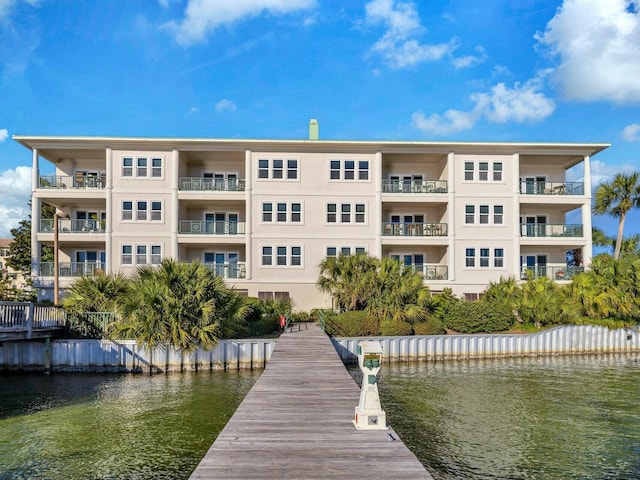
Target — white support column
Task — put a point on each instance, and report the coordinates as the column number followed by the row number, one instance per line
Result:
column 248, row 223
column 376, row 173
column 587, row 250
column 174, row 209
column 515, row 216
column 451, row 215
column 36, row 207
column 108, row 231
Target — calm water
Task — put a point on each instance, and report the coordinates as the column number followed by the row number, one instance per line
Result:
column 555, row 418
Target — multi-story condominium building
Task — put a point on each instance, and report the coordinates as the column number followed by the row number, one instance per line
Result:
column 264, row 213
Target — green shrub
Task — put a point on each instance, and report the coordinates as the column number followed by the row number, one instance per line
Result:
column 479, row 317
column 433, row 326
column 393, row 328
column 300, row 317
column 353, row 324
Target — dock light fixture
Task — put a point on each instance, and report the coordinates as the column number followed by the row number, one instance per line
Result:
column 369, row 415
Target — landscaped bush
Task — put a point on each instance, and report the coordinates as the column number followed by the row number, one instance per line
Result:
column 300, row 317
column 394, row 328
column 356, row 323
column 433, row 326
column 479, row 317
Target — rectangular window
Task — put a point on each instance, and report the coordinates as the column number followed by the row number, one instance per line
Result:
column 282, row 212
column 292, row 169
column 470, row 256
column 296, row 256
column 127, row 211
column 267, row 255
column 468, row 171
column 156, row 167
column 141, row 170
column 360, row 213
column 281, row 257
column 346, row 213
column 483, row 171
column 127, row 167
column 360, row 250
column 497, row 171
column 498, row 257
column 127, row 255
column 484, row 257
column 156, row 211
column 363, row 170
column 335, row 170
column 331, row 213
column 498, row 214
column 263, row 168
column 345, row 251
column 156, row 254
column 141, row 209
column 267, row 212
column 484, row 214
column 141, row 254
column 349, row 170
column 277, row 169
column 470, row 214
column 332, row 251
column 296, row 212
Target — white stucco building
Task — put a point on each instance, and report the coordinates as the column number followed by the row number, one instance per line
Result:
column 265, row 213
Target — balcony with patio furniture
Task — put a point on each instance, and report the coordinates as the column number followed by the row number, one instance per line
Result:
column 551, row 188
column 416, row 187
column 206, row 184
column 551, row 230
column 211, row 227
column 414, row 229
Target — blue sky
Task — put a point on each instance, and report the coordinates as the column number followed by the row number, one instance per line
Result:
column 445, row 70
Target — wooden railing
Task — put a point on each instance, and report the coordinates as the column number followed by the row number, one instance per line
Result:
column 23, row 320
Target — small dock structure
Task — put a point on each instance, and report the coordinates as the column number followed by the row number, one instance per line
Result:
column 297, row 423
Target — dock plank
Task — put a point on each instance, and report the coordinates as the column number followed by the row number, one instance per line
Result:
column 296, row 423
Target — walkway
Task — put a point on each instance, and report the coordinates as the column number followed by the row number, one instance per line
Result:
column 296, row 423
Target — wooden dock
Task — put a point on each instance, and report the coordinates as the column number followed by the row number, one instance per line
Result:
column 296, row 423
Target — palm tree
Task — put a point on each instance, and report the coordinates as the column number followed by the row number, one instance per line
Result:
column 97, row 293
column 616, row 199
column 345, row 278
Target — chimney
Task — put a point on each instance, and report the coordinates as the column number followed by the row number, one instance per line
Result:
column 314, row 129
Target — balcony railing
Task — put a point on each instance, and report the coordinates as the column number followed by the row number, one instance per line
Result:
column 228, row 270
column 76, row 181
column 553, row 272
column 73, row 226
column 552, row 188
column 551, row 230
column 431, row 272
column 205, row 227
column 414, row 229
column 211, row 184
column 422, row 186
column 72, row 269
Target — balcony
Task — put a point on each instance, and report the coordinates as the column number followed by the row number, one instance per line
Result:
column 77, row 182
column 210, row 227
column 551, row 230
column 552, row 188
column 414, row 229
column 431, row 272
column 424, row 186
column 228, row 270
column 73, row 226
column 199, row 184
column 558, row 273
column 71, row 269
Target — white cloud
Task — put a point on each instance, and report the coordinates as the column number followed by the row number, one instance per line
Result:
column 598, row 44
column 522, row 103
column 397, row 47
column 471, row 60
column 602, row 172
column 204, row 16
column 631, row 133
column 225, row 105
column 7, row 5
column 16, row 188
column 4, row 134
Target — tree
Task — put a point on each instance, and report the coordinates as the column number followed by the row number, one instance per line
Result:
column 345, row 278
column 20, row 249
column 616, row 199
column 98, row 293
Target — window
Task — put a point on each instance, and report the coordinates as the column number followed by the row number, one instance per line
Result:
column 345, row 251
column 156, row 211
column 335, row 170
column 468, row 171
column 484, row 257
column 127, row 167
column 470, row 255
column 263, row 168
column 141, row 254
column 331, row 213
column 360, row 213
column 349, row 170
column 484, row 214
column 498, row 257
column 156, row 167
column 267, row 255
column 141, row 170
column 296, row 212
column 127, row 255
column 277, row 169
column 281, row 257
column 498, row 214
column 292, row 169
column 282, row 212
column 346, row 169
column 346, row 213
column 296, row 256
column 470, row 214
column 142, row 210
column 497, row 171
column 332, row 252
column 156, row 254
column 267, row 212
column 483, row 171
column 127, row 210
column 363, row 170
